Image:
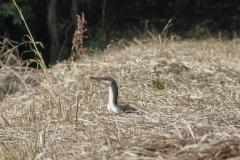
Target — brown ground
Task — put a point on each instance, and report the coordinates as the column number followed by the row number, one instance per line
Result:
column 189, row 90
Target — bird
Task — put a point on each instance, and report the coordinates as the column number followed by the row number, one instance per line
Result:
column 113, row 95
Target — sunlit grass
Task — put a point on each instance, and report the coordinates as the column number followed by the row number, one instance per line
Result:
column 194, row 114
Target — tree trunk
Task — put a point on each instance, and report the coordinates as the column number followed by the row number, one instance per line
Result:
column 52, row 30
column 74, row 13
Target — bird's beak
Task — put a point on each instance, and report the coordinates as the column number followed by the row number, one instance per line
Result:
column 95, row 78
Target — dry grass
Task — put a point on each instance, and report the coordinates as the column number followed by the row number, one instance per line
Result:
column 193, row 115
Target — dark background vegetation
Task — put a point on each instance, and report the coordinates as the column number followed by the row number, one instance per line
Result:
column 123, row 20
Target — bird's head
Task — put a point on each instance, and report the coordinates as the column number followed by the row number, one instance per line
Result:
column 109, row 81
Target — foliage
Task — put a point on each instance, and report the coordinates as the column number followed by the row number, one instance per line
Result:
column 203, row 30
column 8, row 9
column 98, row 42
column 123, row 19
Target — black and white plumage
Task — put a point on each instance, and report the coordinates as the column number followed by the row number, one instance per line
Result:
column 113, row 95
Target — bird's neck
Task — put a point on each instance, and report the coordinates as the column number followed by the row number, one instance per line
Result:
column 112, row 102
column 113, row 95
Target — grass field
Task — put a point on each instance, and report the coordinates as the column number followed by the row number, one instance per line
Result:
column 189, row 90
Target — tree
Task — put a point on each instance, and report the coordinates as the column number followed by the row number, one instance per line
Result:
column 53, row 32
